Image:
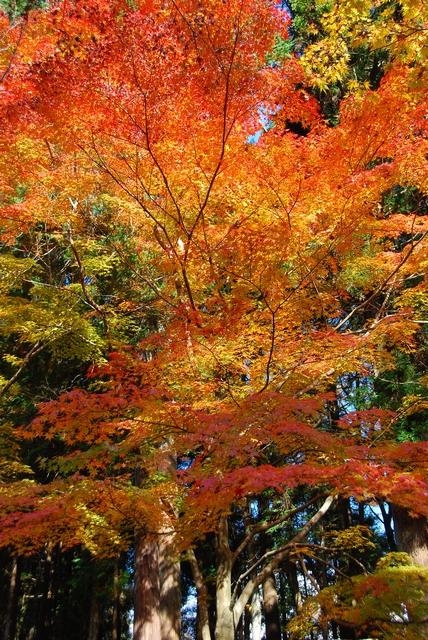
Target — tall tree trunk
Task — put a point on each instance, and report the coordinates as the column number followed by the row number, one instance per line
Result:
column 203, row 631
column 65, row 599
column 147, row 622
column 117, row 618
column 411, row 534
column 10, row 623
column 224, row 625
column 95, row 612
column 156, row 582
column 345, row 521
column 270, row 593
column 294, row 584
column 43, row 626
column 170, row 603
column 256, row 616
column 271, row 609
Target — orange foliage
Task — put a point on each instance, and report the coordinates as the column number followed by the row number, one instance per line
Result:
column 269, row 257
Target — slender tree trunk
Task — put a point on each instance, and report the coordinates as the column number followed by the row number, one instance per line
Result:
column 117, row 618
column 224, row 625
column 270, row 593
column 43, row 626
column 387, row 523
column 10, row 623
column 345, row 521
column 203, row 621
column 256, row 616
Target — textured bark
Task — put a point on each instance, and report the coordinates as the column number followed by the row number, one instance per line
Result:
column 169, row 577
column 147, row 624
column 203, row 623
column 225, row 629
column 156, row 581
column 271, row 609
column 411, row 535
column 10, row 623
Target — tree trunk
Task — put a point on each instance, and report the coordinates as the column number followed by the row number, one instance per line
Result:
column 256, row 616
column 271, row 609
column 270, row 593
column 147, row 624
column 43, row 624
column 65, row 599
column 294, row 585
column 345, row 521
column 224, row 625
column 387, row 523
column 203, row 631
column 95, row 612
column 156, row 582
column 411, row 534
column 117, row 619
column 9, row 630
column 169, row 577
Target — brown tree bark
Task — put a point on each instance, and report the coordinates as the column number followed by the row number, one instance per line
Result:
column 411, row 534
column 169, row 578
column 156, row 583
column 10, row 622
column 271, row 609
column 147, row 623
column 203, row 631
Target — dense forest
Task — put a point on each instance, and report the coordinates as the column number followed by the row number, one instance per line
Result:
column 213, row 320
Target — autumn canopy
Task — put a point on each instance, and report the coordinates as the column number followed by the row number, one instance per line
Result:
column 214, row 301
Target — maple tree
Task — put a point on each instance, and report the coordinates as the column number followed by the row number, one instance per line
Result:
column 219, row 293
